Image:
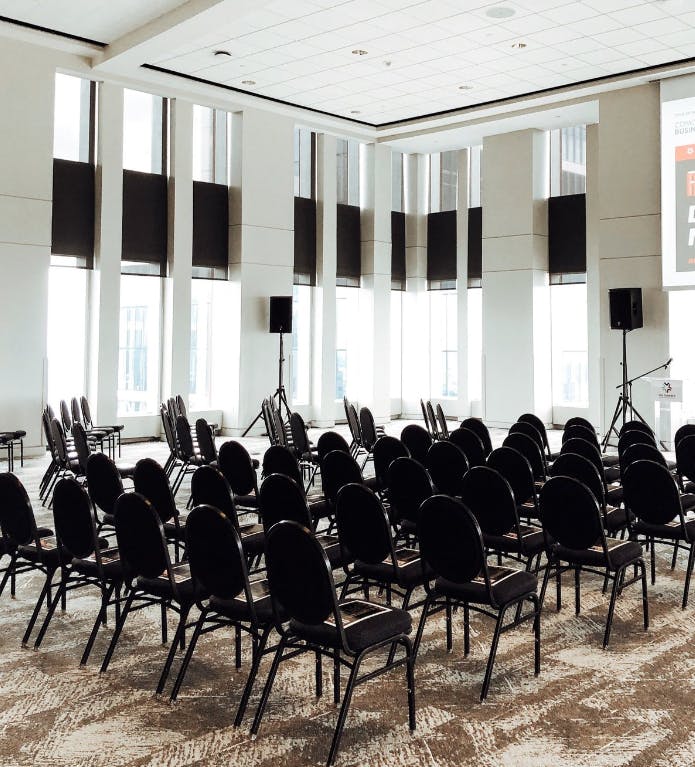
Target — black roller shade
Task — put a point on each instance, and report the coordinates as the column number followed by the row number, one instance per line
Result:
column 567, row 234
column 304, row 241
column 475, row 243
column 210, row 225
column 72, row 229
column 441, row 246
column 145, row 219
column 398, row 249
column 348, row 243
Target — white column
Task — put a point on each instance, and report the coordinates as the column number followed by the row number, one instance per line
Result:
column 26, row 166
column 516, row 300
column 323, row 390
column 375, row 297
column 261, row 254
column 463, row 406
column 106, row 279
column 630, row 237
column 177, row 287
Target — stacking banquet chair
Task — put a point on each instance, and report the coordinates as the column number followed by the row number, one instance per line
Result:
column 386, row 450
column 409, row 486
column 369, row 433
column 329, row 441
column 516, row 469
column 152, row 483
column 30, row 548
column 302, row 588
column 479, row 428
column 356, row 446
column 337, row 470
column 446, row 464
column 535, row 421
column 642, row 451
column 635, row 425
column 365, row 534
column 417, row 440
column 206, row 441
column 306, row 453
column 441, row 421
column 104, row 485
column 209, row 487
column 96, row 437
column 685, row 462
column 574, row 535
column 173, row 461
column 471, row 444
column 425, row 418
column 8, row 440
column 218, row 566
column 577, row 419
column 150, row 575
column 651, row 496
column 531, row 450
column 451, row 543
column 91, row 432
column 190, row 458
column 434, row 426
column 84, row 561
column 282, row 498
column 83, row 450
column 87, row 420
column 588, row 433
column 609, row 474
column 488, row 495
column 268, row 422
column 53, row 470
column 523, row 427
column 67, row 464
column 234, row 461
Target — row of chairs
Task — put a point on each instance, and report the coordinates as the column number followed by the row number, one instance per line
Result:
column 435, row 420
column 9, row 440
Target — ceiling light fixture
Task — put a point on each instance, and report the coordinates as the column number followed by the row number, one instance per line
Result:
column 465, row 87
column 359, row 52
column 500, row 12
column 355, row 112
column 248, row 82
column 221, row 53
column 518, row 45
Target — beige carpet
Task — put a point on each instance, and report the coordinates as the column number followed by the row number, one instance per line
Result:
column 633, row 704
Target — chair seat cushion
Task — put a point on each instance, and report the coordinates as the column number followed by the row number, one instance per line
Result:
column 49, row 554
column 111, row 564
column 382, row 625
column 612, row 473
column 688, row 500
column 252, row 538
column 319, row 508
column 405, row 574
column 614, row 496
column 531, row 541
column 616, row 519
column 670, row 531
column 246, row 501
column 610, row 460
column 176, row 532
column 331, row 547
column 161, row 587
column 507, row 585
column 371, row 483
column 237, row 609
column 19, row 434
column 621, row 553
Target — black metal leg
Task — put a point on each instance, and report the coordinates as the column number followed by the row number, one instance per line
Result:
column 653, row 559
column 172, row 650
column 675, row 555
column 268, row 686
column 105, row 598
column 187, row 657
column 493, row 652
column 9, row 572
column 645, row 599
column 255, row 665
column 466, row 630
column 163, row 609
column 546, row 578
column 421, row 625
column 410, row 678
column 577, row 592
column 237, row 646
column 51, row 609
column 449, row 637
column 336, row 676
column 688, row 573
column 342, row 716
column 117, row 630
column 319, row 675
column 536, row 634
column 611, row 609
column 37, row 608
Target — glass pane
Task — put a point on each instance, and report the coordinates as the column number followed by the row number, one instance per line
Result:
column 306, row 164
column 449, row 180
column 142, row 132
column 397, row 181
column 347, row 342
column 203, row 120
column 680, row 309
column 71, row 118
column 201, row 344
column 353, row 173
column 395, row 345
column 342, row 170
column 475, row 344
column 66, row 340
column 443, row 343
column 573, row 142
column 300, row 362
column 569, row 332
column 435, row 189
column 474, row 191
column 138, row 348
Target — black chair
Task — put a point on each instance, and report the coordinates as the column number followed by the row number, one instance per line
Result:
column 574, row 534
column 685, row 462
column 153, row 579
column 105, row 485
column 471, row 444
column 87, row 419
column 687, row 430
column 577, row 419
column 279, row 459
column 446, row 464
column 304, row 450
column 524, row 427
column 206, row 441
column 516, row 469
column 369, row 434
column 302, row 588
column 536, row 422
column 652, row 497
column 386, row 450
column 83, row 450
column 479, row 428
column 634, row 437
column 190, row 458
column 356, row 446
column 95, row 434
column 84, row 562
column 425, row 418
column 584, row 430
column 329, row 441
column 337, row 470
column 417, row 440
column 441, row 420
column 451, row 543
column 234, row 461
column 531, row 450
column 609, row 474
column 173, row 460
column 434, row 427
column 635, row 425
column 67, row 465
column 409, row 486
column 218, row 567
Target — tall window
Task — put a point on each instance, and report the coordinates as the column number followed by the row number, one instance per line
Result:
column 569, row 342
column 476, row 177
column 568, row 160
column 144, row 132
column 348, row 171
column 139, row 345
column 304, row 163
column 211, row 143
column 475, row 344
column 397, row 187
column 443, row 343
column 346, row 341
column 72, row 123
column 301, row 345
column 443, row 181
column 201, row 344
column 396, row 344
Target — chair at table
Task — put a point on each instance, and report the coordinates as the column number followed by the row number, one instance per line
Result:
column 451, row 543
column 346, row 631
column 446, row 464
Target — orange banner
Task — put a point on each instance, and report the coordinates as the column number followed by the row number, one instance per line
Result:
column 685, row 152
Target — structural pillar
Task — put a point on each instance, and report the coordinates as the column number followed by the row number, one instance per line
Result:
column 463, row 407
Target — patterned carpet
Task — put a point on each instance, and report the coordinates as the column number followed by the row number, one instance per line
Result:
column 633, row 704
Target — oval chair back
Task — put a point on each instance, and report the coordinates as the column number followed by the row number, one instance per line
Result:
column 386, row 450
column 409, row 485
column 300, row 440
column 337, row 470
column 210, row 488
column 635, row 425
column 16, row 515
column 151, row 482
column 235, row 463
column 523, row 427
column 570, row 514
column 687, row 430
column 330, row 441
column 580, row 468
column 441, row 420
column 479, row 428
column 279, row 459
column 206, row 441
column 74, row 520
column 368, row 429
column 579, row 431
column 685, row 457
column 651, row 494
column 446, row 464
column 471, row 444
column 530, row 449
column 280, row 497
column 140, row 538
column 104, row 482
column 536, row 422
column 516, row 469
column 363, row 525
column 488, row 495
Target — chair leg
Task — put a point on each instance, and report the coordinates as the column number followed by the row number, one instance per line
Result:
column 546, row 578
column 172, row 650
column 645, row 599
column 9, row 573
column 268, row 686
column 493, row 652
column 105, row 598
column 319, row 675
column 54, row 603
column 37, row 608
column 675, row 555
column 163, row 610
column 577, row 592
column 255, row 665
column 466, row 630
column 611, row 608
column 342, row 716
column 410, row 678
column 688, row 574
column 449, row 637
column 536, row 634
column 237, row 646
column 117, row 631
column 336, row 676
column 653, row 560
column 187, row 657
column 421, row 625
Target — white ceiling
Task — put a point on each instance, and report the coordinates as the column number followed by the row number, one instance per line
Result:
column 419, row 52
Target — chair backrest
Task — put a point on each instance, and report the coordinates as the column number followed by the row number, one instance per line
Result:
column 441, row 420
column 353, row 422
column 687, row 430
column 570, row 514
column 471, row 444
column 531, row 450
column 587, row 449
column 86, row 412
column 634, row 437
column 206, row 442
column 300, row 441
column 536, row 422
column 140, row 537
column 46, row 424
column 74, row 520
column 181, row 406
column 488, row 495
column 103, row 482
column 409, row 485
column 417, row 440
column 579, row 431
column 235, row 463
column 183, row 437
column 685, row 456
column 209, row 487
column 451, row 541
column 524, row 427
column 65, row 416
column 279, row 424
column 386, row 450
column 635, row 425
column 269, row 422
column 479, row 428
column 446, row 464
column 279, row 459
column 151, row 482
column 434, row 429
column 59, row 442
column 368, row 429
column 16, row 515
column 168, row 429
column 330, row 441
column 215, row 553
column 577, row 419
column 337, row 470
column 79, row 437
column 75, row 410
column 173, row 408
column 363, row 525
column 428, row 426
column 280, row 497
column 641, row 451
column 581, row 468
column 516, row 469
column 299, row 575
column 650, row 493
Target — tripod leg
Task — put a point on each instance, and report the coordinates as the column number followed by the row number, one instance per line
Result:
column 611, row 428
column 253, row 423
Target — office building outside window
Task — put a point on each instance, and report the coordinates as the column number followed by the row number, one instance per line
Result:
column 443, row 344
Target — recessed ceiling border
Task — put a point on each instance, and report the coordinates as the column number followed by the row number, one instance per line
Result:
column 56, row 32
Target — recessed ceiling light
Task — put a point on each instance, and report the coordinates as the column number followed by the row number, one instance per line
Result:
column 355, row 112
column 465, row 87
column 248, row 82
column 500, row 12
column 518, row 45
column 221, row 53
column 359, row 52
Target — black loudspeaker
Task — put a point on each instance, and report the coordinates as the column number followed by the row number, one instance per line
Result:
column 625, row 308
column 281, row 314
